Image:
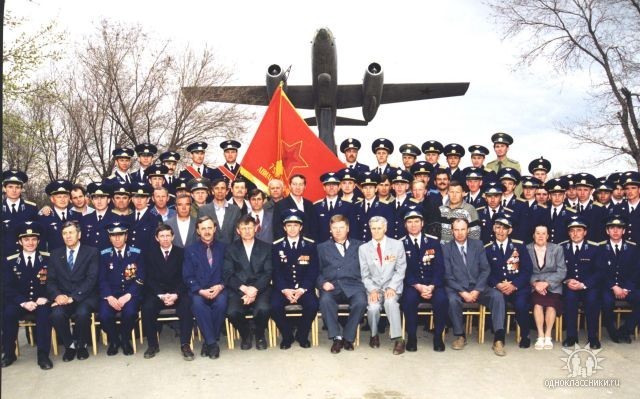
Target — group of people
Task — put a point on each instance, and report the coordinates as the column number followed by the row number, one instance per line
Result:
column 209, row 244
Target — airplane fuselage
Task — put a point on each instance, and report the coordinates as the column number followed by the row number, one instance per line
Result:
column 324, row 82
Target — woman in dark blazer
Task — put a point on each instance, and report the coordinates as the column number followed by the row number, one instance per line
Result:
column 549, row 270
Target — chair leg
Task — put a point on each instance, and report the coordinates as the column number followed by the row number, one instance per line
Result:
column 17, row 348
column 272, row 342
column 140, row 328
column 94, row 339
column 31, row 336
column 508, row 324
column 54, row 341
column 133, row 340
column 358, row 335
column 230, row 333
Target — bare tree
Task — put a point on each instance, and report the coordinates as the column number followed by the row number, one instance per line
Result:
column 601, row 35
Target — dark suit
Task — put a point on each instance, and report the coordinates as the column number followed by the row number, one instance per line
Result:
column 178, row 240
column 309, row 222
column 78, row 283
column 266, row 226
column 461, row 276
column 164, row 276
column 255, row 271
column 199, row 275
column 344, row 273
column 52, row 226
column 225, row 231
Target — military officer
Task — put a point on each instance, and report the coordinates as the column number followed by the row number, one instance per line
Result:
column 122, row 158
column 424, row 280
column 197, row 167
column 331, row 205
column 170, row 160
column 382, row 148
column 617, row 195
column 602, row 193
column 231, row 167
column 422, row 170
column 432, row 150
column 199, row 188
column 487, row 214
column 349, row 191
column 59, row 192
column 369, row 206
column 628, row 208
column 142, row 222
column 15, row 209
column 120, row 284
column 121, row 198
column 582, row 284
column 478, row 154
column 156, row 176
column 593, row 212
column 501, row 142
column 474, row 180
column 145, row 152
column 530, row 211
column 454, row 152
column 540, row 168
column 400, row 180
column 350, row 148
column 295, row 270
column 409, row 155
column 511, row 269
column 620, row 278
column 571, row 195
column 509, row 178
column 93, row 225
column 24, row 285
column 557, row 215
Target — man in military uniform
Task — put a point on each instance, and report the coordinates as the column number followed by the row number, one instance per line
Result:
column 94, row 224
column 370, row 206
column 25, row 292
column 511, row 269
column 59, row 192
column 432, row 150
column 620, row 281
column 617, row 195
column 197, row 167
column 409, row 155
column 199, row 188
column 121, row 199
column 557, row 215
column 487, row 214
column 142, row 222
column 120, row 283
column 593, row 212
column 478, row 154
column 348, row 190
column 295, row 270
column 582, row 284
column 122, row 159
column 530, row 212
column 628, row 208
column 422, row 170
column 383, row 189
column 602, row 193
column 400, row 180
column 382, row 148
column 350, row 148
column 424, row 281
column 170, row 160
column 15, row 209
column 473, row 178
column 331, row 205
column 454, row 152
column 501, row 142
column 231, row 167
column 145, row 152
column 540, row 169
column 571, row 195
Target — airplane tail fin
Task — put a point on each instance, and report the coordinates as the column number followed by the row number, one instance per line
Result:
column 340, row 120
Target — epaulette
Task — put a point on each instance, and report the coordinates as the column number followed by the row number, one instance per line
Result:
column 480, row 208
column 597, row 244
column 596, row 203
column 488, row 245
column 542, row 206
column 134, row 250
column 308, row 239
column 517, row 241
column 384, row 201
column 602, row 242
column 29, row 202
column 414, row 200
column 402, row 238
column 45, row 253
column 563, row 242
column 512, row 161
column 318, row 201
column 359, row 200
column 139, row 282
column 279, row 240
column 346, row 200
column 570, row 209
column 430, row 236
column 508, row 209
column 521, row 200
column 105, row 251
column 631, row 242
column 12, row 257
column 112, row 176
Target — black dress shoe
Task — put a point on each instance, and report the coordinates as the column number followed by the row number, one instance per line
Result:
column 7, row 361
column 83, row 353
column 624, row 338
column 261, row 343
column 245, row 343
column 337, row 345
column 569, row 342
column 187, row 353
column 412, row 344
column 594, row 343
column 285, row 344
column 44, row 362
column 348, row 345
column 112, row 349
column 205, row 350
column 613, row 335
column 214, row 351
column 525, row 342
column 305, row 344
column 127, row 349
column 69, row 355
column 438, row 346
column 151, row 352
column 374, row 341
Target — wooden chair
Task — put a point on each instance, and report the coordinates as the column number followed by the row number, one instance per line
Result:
column 166, row 315
column 294, row 310
column 94, row 338
column 233, row 334
column 620, row 308
column 29, row 324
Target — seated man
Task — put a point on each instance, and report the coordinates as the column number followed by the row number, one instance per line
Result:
column 120, row 281
column 340, row 281
column 424, row 280
column 295, row 270
column 511, row 269
column 164, row 288
column 247, row 273
column 72, row 286
column 466, row 273
column 24, row 281
column 382, row 265
column 202, row 273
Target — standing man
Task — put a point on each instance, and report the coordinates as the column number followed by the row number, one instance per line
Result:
column 369, row 206
column 120, row 280
column 276, row 192
column 466, row 273
column 409, row 155
column 478, row 154
column 15, row 209
column 382, row 148
column 382, row 265
column 121, row 199
column 72, row 287
column 454, row 152
column 231, row 167
column 145, row 152
column 557, row 215
column 24, row 283
column 262, row 216
column 247, row 274
column 182, row 223
column 295, row 270
column 80, row 200
column 629, row 207
column 331, row 205
column 350, row 148
column 400, row 180
column 540, row 169
column 424, row 280
column 593, row 212
column 474, row 179
column 122, row 159
column 454, row 209
column 170, row 160
column 164, row 288
column 142, row 222
column 296, row 200
column 199, row 189
column 197, row 167
column 202, row 273
column 59, row 192
column 501, row 142
column 239, row 195
column 160, row 199
column 223, row 214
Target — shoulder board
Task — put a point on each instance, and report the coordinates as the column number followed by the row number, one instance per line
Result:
column 542, row 206
column 29, row 202
column 488, row 245
column 596, row 203
column 521, row 200
column 602, row 242
column 14, row 256
column 594, row 243
column 318, row 201
column 570, row 209
column 480, row 208
column 430, row 236
column 105, row 251
column 631, row 242
column 359, row 200
column 513, row 161
column 517, row 241
column 44, row 253
column 279, row 240
column 134, row 250
column 508, row 209
column 384, row 201
column 112, row 176
column 563, row 242
column 307, row 239
column 402, row 238
column 414, row 200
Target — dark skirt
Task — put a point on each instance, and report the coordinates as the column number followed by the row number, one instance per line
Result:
column 551, row 299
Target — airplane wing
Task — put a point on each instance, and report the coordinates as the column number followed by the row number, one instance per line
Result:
column 350, row 96
column 300, row 96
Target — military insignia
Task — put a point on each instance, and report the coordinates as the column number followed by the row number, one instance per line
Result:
column 283, row 257
column 42, row 275
column 110, row 266
column 513, row 263
column 304, row 259
column 130, row 271
column 390, row 258
column 429, row 255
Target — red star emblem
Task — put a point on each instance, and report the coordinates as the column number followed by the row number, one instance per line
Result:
column 292, row 157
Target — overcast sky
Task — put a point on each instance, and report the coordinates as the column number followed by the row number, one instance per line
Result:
column 421, row 41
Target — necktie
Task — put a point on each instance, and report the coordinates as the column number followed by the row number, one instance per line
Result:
column 464, row 255
column 630, row 209
column 119, row 254
column 344, row 248
column 126, row 179
column 616, row 251
column 137, row 216
column 70, row 259
column 493, row 214
column 14, row 211
column 99, row 218
column 29, row 263
column 416, row 245
column 581, row 208
column 351, row 167
column 555, row 214
column 502, row 249
column 577, row 251
column 166, row 255
column 199, row 172
column 209, row 256
column 397, row 205
column 379, row 250
column 330, row 205
column 379, row 171
column 257, row 218
column 504, row 203
column 293, row 245
column 64, row 216
column 366, row 207
column 170, row 179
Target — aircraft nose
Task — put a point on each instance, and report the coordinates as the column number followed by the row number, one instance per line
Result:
column 323, row 34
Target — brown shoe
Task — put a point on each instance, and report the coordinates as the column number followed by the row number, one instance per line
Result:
column 374, row 342
column 498, row 348
column 337, row 346
column 459, row 343
column 398, row 348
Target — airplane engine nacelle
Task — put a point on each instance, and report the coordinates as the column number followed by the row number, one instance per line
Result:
column 372, row 90
column 275, row 75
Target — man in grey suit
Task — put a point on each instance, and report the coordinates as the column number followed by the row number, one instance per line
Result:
column 466, row 274
column 340, row 281
column 183, row 224
column 383, row 264
column 262, row 216
column 224, row 214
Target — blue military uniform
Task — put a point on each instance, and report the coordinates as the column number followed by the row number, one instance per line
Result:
column 143, row 149
column 25, row 211
column 142, row 228
column 486, row 218
column 364, row 213
column 94, row 229
column 119, row 176
column 325, row 210
column 632, row 231
column 52, row 224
